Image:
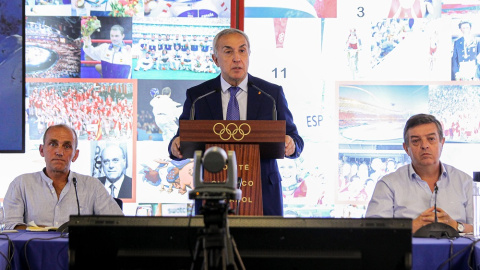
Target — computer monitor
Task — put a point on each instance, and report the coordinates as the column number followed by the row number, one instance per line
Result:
column 263, row 242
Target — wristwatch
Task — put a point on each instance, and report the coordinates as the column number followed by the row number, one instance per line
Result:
column 460, row 227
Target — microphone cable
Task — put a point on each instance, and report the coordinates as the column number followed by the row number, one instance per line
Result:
column 25, row 247
column 10, row 253
column 471, row 246
column 190, row 236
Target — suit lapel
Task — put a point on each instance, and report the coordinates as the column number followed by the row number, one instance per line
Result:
column 124, row 191
column 254, row 101
column 214, row 100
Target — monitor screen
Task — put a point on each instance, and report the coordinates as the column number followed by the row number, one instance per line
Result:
column 353, row 72
column 12, row 91
column 261, row 242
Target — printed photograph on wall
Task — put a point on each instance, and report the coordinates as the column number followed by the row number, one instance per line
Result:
column 96, row 109
column 52, row 47
column 175, row 48
column 106, row 47
column 12, row 122
column 112, row 165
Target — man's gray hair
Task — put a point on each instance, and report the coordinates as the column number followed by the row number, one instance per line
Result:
column 229, row 31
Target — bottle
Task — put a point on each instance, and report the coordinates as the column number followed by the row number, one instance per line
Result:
column 476, row 204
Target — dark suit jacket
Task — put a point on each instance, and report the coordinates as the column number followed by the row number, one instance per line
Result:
column 126, row 188
column 259, row 107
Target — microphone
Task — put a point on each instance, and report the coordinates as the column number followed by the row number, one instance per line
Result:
column 192, row 108
column 436, row 230
column 435, row 203
column 274, row 109
column 64, row 227
column 76, row 194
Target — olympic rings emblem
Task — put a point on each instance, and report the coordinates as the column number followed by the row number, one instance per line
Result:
column 232, row 131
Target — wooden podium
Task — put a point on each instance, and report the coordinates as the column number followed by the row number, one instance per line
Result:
column 251, row 140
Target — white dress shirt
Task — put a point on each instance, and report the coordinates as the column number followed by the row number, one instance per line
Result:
column 32, row 197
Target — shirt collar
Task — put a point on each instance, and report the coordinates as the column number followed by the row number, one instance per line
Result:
column 117, row 183
column 443, row 171
column 49, row 180
column 225, row 85
column 45, row 177
column 414, row 175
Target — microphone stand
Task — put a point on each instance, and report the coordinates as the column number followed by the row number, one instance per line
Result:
column 436, row 229
column 76, row 194
column 192, row 108
column 435, row 203
column 64, row 227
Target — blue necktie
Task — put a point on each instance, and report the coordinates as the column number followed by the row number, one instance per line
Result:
column 233, row 112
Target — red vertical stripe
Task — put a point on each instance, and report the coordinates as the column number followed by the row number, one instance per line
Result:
column 237, row 14
column 233, row 13
column 241, row 14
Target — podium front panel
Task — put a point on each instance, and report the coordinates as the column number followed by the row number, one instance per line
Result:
column 248, row 169
column 268, row 134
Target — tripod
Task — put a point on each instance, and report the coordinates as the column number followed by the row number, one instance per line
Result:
column 218, row 246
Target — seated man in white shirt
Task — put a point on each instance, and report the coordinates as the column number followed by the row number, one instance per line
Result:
column 47, row 198
column 409, row 192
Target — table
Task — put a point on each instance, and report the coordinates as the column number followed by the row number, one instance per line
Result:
column 49, row 253
column 430, row 253
column 53, row 253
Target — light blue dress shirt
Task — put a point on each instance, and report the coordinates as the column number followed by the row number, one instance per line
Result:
column 32, row 197
column 403, row 194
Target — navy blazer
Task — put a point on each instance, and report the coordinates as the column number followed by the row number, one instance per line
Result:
column 259, row 107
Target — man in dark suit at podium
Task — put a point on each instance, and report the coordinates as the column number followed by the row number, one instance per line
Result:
column 236, row 98
column 114, row 163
